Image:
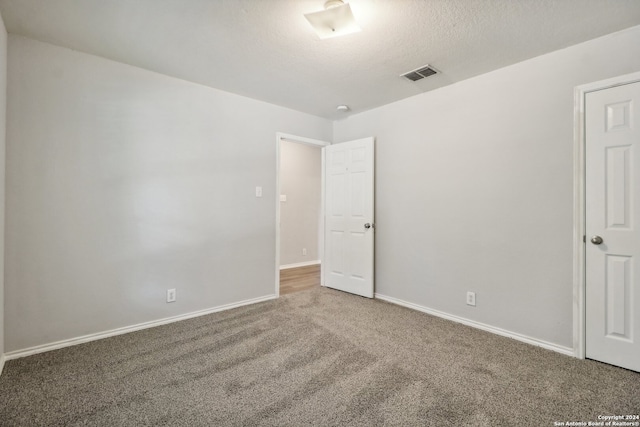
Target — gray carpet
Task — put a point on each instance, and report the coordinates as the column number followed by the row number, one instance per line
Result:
column 317, row 357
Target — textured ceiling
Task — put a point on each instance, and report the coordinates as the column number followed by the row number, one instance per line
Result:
column 265, row 49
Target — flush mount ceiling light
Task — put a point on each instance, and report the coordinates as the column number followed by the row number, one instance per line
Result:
column 335, row 20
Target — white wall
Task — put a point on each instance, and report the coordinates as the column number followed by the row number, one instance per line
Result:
column 474, row 189
column 3, row 115
column 123, row 183
column 300, row 181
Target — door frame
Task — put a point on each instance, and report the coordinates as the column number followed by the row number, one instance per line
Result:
column 280, row 136
column 579, row 195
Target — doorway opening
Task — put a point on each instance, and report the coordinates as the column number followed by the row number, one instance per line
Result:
column 299, row 213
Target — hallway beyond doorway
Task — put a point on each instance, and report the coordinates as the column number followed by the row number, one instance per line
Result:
column 299, row 279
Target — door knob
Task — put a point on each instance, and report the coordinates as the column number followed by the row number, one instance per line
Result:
column 596, row 240
column 368, row 226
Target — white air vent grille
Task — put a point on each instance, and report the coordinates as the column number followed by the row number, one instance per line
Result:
column 420, row 73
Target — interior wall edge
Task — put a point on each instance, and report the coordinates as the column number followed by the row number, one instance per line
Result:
column 17, row 354
column 568, row 351
column 4, row 45
column 299, row 264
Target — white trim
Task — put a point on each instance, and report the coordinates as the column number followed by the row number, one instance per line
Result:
column 299, row 264
column 498, row 331
column 307, row 141
column 2, row 359
column 322, row 213
column 301, row 139
column 125, row 330
column 578, row 227
column 579, row 171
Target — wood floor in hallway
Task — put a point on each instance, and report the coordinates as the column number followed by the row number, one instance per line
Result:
column 299, row 279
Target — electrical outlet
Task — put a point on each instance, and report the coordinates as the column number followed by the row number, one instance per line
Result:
column 171, row 295
column 258, row 191
column 304, row 251
column 471, row 298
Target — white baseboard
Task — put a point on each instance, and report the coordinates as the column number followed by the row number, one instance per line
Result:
column 299, row 264
column 2, row 359
column 124, row 330
column 495, row 330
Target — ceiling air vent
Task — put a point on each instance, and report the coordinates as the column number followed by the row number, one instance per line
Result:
column 420, row 73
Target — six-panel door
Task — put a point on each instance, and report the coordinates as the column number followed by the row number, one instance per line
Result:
column 612, row 219
column 349, row 241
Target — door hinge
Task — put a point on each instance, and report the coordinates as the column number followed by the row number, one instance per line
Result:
column 584, row 239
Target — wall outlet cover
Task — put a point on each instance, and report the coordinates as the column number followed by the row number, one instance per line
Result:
column 471, row 299
column 171, row 295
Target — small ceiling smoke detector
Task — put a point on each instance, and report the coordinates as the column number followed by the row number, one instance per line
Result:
column 343, row 108
column 420, row 73
column 335, row 20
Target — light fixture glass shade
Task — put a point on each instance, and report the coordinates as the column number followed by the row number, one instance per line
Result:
column 333, row 22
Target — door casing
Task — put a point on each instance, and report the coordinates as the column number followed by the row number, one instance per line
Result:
column 579, row 176
column 315, row 143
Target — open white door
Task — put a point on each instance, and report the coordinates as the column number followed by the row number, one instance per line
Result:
column 613, row 226
column 349, row 221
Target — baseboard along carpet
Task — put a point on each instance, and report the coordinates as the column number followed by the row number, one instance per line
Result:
column 312, row 358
